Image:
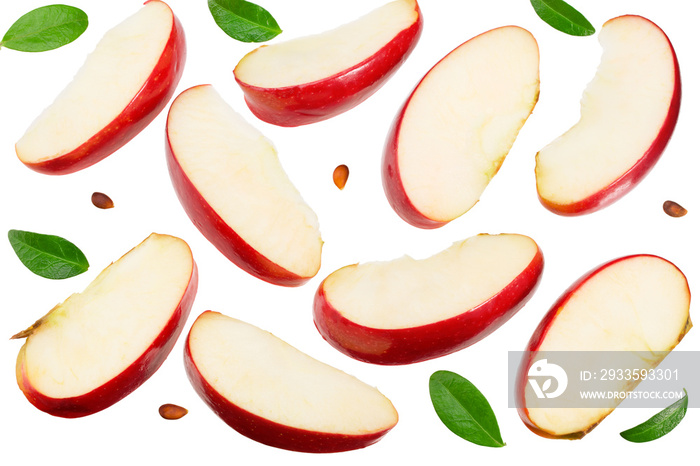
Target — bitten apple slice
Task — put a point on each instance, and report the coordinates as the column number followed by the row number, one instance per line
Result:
column 314, row 78
column 636, row 304
column 628, row 113
column 98, row 346
column 122, row 86
column 232, row 185
column 274, row 394
column 454, row 131
column 407, row 310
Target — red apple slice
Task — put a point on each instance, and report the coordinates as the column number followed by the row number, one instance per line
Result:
column 274, row 394
column 317, row 77
column 628, row 113
column 98, row 346
column 232, row 185
column 122, row 86
column 405, row 311
column 454, row 131
column 635, row 304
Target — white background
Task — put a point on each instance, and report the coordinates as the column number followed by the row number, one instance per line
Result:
column 357, row 225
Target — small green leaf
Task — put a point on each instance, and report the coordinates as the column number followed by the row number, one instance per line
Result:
column 244, row 21
column 47, row 255
column 563, row 17
column 46, row 28
column 464, row 410
column 660, row 424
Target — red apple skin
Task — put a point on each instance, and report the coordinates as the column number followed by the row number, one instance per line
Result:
column 391, row 177
column 222, row 236
column 143, row 108
column 319, row 100
column 124, row 383
column 416, row 344
column 538, row 337
column 269, row 432
column 639, row 170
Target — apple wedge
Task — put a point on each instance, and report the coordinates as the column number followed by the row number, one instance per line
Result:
column 274, row 394
column 407, row 310
column 122, row 86
column 314, row 78
column 634, row 304
column 232, row 185
column 628, row 113
column 98, row 346
column 457, row 126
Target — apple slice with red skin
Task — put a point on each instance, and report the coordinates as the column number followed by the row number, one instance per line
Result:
column 314, row 78
column 274, row 394
column 636, row 303
column 406, row 311
column 98, row 346
column 628, row 114
column 123, row 85
column 234, row 189
column 454, row 131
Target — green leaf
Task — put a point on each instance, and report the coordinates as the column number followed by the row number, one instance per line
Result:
column 563, row 17
column 47, row 255
column 660, row 424
column 244, row 21
column 464, row 410
column 46, row 28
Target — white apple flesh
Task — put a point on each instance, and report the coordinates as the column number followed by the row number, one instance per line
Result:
column 231, row 183
column 98, row 346
column 314, row 78
column 122, row 86
column 274, row 394
column 635, row 304
column 628, row 114
column 405, row 311
column 456, row 128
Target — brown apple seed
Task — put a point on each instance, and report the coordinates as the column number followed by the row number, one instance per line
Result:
column 674, row 209
column 102, row 201
column 171, row 411
column 340, row 176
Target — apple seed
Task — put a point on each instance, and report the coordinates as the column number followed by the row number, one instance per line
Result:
column 171, row 411
column 102, row 201
column 674, row 209
column 340, row 176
